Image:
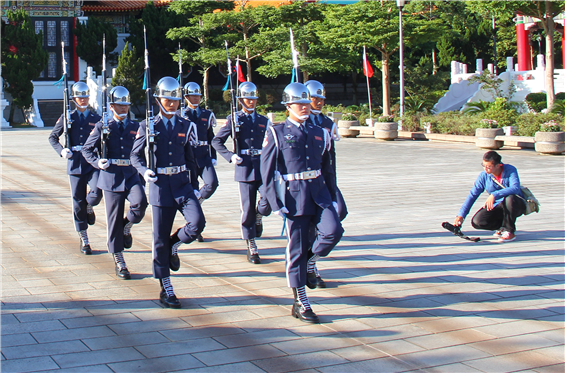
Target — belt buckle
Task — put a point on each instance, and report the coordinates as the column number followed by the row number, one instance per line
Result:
column 309, row 175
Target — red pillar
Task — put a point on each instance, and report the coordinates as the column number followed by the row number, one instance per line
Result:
column 522, row 37
column 75, row 57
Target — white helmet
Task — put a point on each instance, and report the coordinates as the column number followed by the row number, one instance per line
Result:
column 168, row 87
column 119, row 95
column 192, row 89
column 316, row 89
column 247, row 90
column 80, row 89
column 295, row 93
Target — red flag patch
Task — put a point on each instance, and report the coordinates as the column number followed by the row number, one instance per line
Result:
column 182, row 134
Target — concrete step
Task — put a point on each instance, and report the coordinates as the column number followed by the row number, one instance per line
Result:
column 50, row 111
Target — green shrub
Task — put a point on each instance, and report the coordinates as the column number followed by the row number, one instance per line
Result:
column 348, row 116
column 452, row 122
column 501, row 111
column 412, row 121
column 560, row 96
column 529, row 124
column 536, row 101
column 559, row 108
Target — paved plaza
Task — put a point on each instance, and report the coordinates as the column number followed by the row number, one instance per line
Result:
column 403, row 294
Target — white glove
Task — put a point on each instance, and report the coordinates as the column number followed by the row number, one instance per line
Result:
column 335, row 205
column 214, row 162
column 66, row 153
column 149, row 176
column 103, row 163
column 197, row 194
column 236, row 159
column 282, row 212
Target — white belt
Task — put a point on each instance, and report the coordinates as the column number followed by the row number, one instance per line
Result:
column 173, row 170
column 120, row 162
column 201, row 143
column 250, row 152
column 306, row 175
column 77, row 148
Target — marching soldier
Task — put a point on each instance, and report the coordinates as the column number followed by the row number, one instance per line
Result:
column 204, row 153
column 318, row 97
column 299, row 182
column 80, row 172
column 118, row 179
column 173, row 186
column 252, row 127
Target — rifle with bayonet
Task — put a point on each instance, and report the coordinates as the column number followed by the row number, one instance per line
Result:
column 105, row 127
column 182, row 107
column 67, row 121
column 294, row 57
column 233, row 107
column 149, row 119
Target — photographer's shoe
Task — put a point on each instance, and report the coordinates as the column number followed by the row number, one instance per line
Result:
column 507, row 237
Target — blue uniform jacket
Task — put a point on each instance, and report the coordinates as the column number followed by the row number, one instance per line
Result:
column 288, row 150
column 326, row 123
column 205, row 122
column 485, row 182
column 168, row 190
column 251, row 135
column 115, row 178
column 78, row 132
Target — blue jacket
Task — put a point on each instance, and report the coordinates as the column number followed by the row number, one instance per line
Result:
column 485, row 182
column 78, row 134
column 115, row 178
column 251, row 134
column 288, row 150
column 205, row 122
column 325, row 122
column 168, row 190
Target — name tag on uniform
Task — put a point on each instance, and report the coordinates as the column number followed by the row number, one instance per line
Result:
column 92, row 124
column 182, row 134
column 318, row 138
column 262, row 125
column 132, row 132
column 204, row 119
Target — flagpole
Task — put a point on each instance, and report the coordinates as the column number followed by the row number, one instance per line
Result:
column 368, row 86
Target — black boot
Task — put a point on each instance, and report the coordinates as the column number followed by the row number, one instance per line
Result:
column 166, row 301
column 311, row 279
column 252, row 257
column 90, row 216
column 200, row 238
column 258, row 225
column 174, row 260
column 85, row 249
column 321, row 283
column 128, row 238
column 302, row 314
column 123, row 273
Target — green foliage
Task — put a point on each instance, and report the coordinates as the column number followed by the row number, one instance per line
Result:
column 348, row 116
column 501, row 111
column 536, row 101
column 451, row 122
column 476, row 107
column 413, row 121
column 530, row 123
column 493, row 84
column 559, row 108
column 23, row 58
column 90, row 39
column 129, row 74
column 551, row 126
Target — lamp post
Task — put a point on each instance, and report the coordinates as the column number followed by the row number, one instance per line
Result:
column 401, row 4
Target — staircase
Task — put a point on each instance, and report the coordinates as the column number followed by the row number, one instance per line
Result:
column 50, row 111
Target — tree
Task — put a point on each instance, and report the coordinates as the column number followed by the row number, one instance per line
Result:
column 544, row 11
column 129, row 74
column 23, row 58
column 90, row 37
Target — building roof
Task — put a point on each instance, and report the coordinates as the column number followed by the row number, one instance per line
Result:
column 119, row 6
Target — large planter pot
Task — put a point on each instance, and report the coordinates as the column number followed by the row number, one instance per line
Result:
column 343, row 127
column 550, row 142
column 387, row 131
column 484, row 138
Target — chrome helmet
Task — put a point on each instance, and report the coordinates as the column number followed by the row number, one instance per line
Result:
column 168, row 87
column 119, row 95
column 295, row 93
column 316, row 89
column 80, row 89
column 247, row 90
column 192, row 89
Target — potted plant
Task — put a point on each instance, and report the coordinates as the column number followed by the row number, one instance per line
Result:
column 550, row 139
column 486, row 133
column 386, row 128
column 344, row 124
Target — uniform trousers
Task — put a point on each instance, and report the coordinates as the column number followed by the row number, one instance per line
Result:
column 163, row 219
column 248, row 200
column 329, row 232
column 341, row 206
column 81, row 198
column 210, row 179
column 115, row 208
column 502, row 216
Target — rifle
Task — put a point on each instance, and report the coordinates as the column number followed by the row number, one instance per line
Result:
column 105, row 128
column 67, row 121
column 149, row 120
column 294, row 57
column 233, row 107
column 180, row 82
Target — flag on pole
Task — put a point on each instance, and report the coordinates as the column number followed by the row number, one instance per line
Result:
column 240, row 76
column 367, row 69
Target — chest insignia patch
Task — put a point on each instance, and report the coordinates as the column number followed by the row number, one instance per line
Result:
column 132, row 132
column 204, row 119
column 182, row 134
column 92, row 124
column 318, row 138
column 261, row 125
column 290, row 138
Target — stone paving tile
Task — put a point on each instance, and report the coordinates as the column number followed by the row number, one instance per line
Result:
column 17, row 340
column 451, row 368
column 557, row 368
column 513, row 362
column 443, row 356
column 43, row 349
column 163, row 364
column 501, row 346
column 128, row 340
column 148, row 326
column 86, row 369
column 299, row 362
column 157, row 349
column 257, row 338
column 226, row 368
column 30, row 327
column 359, row 352
column 236, row 355
column 97, row 357
column 71, row 334
column 34, row 364
column 385, row 364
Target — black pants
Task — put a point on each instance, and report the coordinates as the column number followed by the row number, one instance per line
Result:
column 502, row 216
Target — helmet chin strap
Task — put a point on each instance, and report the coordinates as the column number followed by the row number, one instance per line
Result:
column 165, row 111
column 250, row 110
column 80, row 106
column 119, row 116
column 315, row 112
column 191, row 105
column 300, row 117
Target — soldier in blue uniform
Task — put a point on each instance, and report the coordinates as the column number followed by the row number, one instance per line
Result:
column 173, row 186
column 318, row 97
column 204, row 153
column 118, row 179
column 81, row 173
column 300, row 185
column 252, row 127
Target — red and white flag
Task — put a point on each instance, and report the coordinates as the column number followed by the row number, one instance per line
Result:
column 240, row 76
column 367, row 69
